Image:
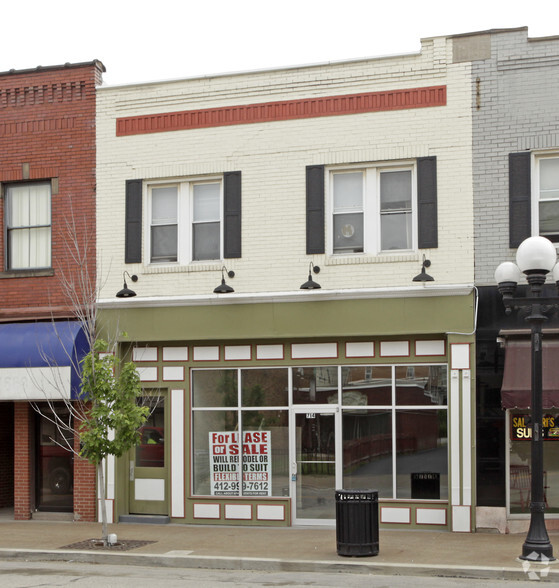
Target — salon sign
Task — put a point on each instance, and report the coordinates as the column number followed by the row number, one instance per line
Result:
column 232, row 463
column 521, row 427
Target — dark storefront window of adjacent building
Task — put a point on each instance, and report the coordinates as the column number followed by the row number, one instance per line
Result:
column 520, row 459
column 55, row 462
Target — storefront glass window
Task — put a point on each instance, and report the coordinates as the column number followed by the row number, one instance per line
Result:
column 520, row 461
column 239, row 448
column 367, row 450
column 401, row 453
column 220, row 428
column 394, row 428
column 421, row 454
column 265, row 453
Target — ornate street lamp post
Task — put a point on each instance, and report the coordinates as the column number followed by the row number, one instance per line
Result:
column 536, row 257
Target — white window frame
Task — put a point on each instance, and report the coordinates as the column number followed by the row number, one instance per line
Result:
column 535, row 200
column 371, row 206
column 185, row 218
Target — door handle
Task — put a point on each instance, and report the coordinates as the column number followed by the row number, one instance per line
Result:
column 132, row 473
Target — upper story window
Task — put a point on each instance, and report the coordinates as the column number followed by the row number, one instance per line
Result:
column 185, row 221
column 547, row 194
column 28, row 226
column 373, row 209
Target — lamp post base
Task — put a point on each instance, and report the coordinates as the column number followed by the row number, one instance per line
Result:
column 537, row 546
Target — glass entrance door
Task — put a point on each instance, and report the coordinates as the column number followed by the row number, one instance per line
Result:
column 315, row 470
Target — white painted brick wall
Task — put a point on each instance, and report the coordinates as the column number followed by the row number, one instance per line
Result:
column 273, row 156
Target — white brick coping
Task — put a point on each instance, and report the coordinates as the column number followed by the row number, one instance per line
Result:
column 293, row 296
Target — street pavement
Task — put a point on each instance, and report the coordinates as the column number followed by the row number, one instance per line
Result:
column 403, row 553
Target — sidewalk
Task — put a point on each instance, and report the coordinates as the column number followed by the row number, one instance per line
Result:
column 476, row 555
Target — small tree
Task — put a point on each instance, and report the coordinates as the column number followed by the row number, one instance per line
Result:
column 112, row 415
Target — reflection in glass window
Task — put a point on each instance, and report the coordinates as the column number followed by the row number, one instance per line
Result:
column 367, row 385
column 367, row 449
column 215, row 388
column 421, row 385
column 150, row 451
column 317, row 385
column 421, row 454
column 264, row 387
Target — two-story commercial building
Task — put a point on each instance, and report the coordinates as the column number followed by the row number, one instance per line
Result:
column 304, row 316
column 516, row 193
column 47, row 212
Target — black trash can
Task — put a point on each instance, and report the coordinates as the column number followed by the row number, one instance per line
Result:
column 357, row 522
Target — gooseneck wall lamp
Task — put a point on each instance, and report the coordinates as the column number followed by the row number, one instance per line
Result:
column 223, row 288
column 310, row 284
column 126, row 292
column 535, row 258
column 423, row 276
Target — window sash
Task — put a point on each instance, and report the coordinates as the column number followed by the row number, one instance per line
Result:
column 373, row 210
column 28, row 226
column 546, row 205
column 186, row 222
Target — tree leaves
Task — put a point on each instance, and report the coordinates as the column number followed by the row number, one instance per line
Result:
column 113, row 417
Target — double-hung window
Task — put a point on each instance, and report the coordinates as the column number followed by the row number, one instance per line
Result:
column 185, row 221
column 373, row 209
column 547, row 194
column 28, row 226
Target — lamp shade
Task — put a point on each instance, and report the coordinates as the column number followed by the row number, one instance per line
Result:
column 536, row 254
column 507, row 272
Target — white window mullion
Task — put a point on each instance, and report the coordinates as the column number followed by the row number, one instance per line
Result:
column 371, row 212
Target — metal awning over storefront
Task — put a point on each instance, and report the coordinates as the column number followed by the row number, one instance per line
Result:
column 516, row 391
column 40, row 361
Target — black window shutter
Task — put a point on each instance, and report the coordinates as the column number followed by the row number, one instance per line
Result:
column 427, row 231
column 315, row 209
column 520, row 217
column 232, row 214
column 133, row 226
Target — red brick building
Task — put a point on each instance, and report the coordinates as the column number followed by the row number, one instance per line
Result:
column 47, row 177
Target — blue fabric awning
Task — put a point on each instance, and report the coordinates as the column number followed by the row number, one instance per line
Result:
column 58, row 344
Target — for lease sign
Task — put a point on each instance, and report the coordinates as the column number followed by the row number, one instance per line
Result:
column 247, row 463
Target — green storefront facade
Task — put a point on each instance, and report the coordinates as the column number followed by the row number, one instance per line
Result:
column 265, row 405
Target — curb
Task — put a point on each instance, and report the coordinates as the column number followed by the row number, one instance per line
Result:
column 172, row 560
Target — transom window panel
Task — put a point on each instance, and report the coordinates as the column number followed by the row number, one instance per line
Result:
column 373, row 210
column 28, row 226
column 548, row 195
column 185, row 221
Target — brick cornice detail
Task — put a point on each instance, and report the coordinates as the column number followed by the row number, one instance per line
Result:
column 282, row 110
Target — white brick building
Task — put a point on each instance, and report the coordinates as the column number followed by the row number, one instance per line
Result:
column 362, row 168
